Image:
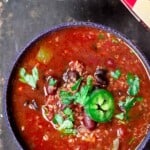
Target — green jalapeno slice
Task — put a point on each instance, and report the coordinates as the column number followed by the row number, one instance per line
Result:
column 100, row 106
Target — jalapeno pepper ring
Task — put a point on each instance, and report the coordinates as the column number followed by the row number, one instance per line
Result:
column 100, row 106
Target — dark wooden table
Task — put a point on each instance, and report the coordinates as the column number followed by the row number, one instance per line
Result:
column 21, row 20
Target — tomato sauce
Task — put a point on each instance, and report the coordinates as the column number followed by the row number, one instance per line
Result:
column 92, row 47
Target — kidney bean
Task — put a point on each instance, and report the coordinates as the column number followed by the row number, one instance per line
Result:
column 89, row 124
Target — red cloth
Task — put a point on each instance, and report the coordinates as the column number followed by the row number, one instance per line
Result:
column 130, row 3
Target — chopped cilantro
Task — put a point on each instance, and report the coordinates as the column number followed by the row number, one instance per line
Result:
column 35, row 73
column 67, row 124
column 129, row 102
column 30, row 79
column 83, row 95
column 52, row 82
column 89, row 81
column 126, row 106
column 71, row 117
column 67, row 111
column 139, row 99
column 116, row 74
column 58, row 119
column 120, row 116
column 134, row 84
column 80, row 97
column 130, row 78
column 133, row 89
column 76, row 85
column 66, row 97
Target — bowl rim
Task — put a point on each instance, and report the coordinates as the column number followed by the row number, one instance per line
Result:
column 50, row 30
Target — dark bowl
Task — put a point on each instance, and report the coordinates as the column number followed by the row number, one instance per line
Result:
column 14, row 135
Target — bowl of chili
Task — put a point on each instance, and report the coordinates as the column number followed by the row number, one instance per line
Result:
column 79, row 86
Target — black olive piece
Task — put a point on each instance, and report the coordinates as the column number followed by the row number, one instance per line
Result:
column 101, row 81
column 100, row 72
column 71, row 76
column 101, row 77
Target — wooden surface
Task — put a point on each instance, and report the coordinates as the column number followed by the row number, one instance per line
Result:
column 21, row 20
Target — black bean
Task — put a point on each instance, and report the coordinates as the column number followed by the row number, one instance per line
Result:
column 101, row 77
column 100, row 72
column 89, row 124
column 101, row 81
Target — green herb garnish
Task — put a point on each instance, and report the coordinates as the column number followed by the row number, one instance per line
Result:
column 30, row 79
column 69, row 113
column 80, row 97
column 126, row 106
column 129, row 102
column 65, row 124
column 58, row 119
column 89, row 82
column 116, row 74
column 52, row 82
column 134, row 84
column 66, row 97
column 133, row 89
column 76, row 85
column 83, row 95
column 120, row 116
